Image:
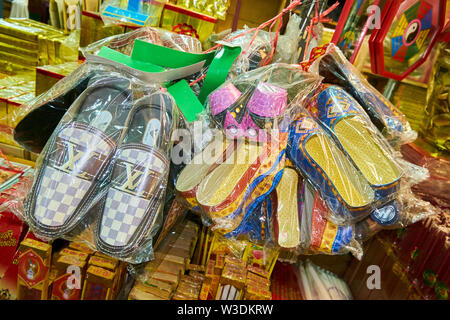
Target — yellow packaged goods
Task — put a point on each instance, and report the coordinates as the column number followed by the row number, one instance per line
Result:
column 182, row 20
column 33, row 270
column 81, row 247
column 19, row 43
column 205, row 290
column 106, row 263
column 69, row 279
column 18, row 31
column 98, row 284
column 165, row 267
column 13, row 49
column 82, row 256
column 151, row 282
column 169, row 257
column 143, row 292
column 161, row 276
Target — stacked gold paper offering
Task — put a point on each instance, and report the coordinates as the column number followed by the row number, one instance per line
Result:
column 25, row 44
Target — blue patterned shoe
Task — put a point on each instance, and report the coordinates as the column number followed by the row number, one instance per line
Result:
column 315, row 154
column 350, row 127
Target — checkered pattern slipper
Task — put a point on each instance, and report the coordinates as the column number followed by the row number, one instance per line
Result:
column 140, row 170
column 77, row 156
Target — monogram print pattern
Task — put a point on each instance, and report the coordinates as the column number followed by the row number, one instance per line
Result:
column 60, row 191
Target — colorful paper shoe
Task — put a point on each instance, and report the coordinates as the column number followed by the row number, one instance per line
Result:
column 351, row 129
column 77, row 156
column 249, row 216
column 200, row 166
column 287, row 221
column 140, row 169
column 247, row 114
column 325, row 236
column 315, row 154
column 227, row 181
column 244, row 183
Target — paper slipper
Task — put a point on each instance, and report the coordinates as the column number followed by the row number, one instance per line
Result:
column 325, row 236
column 202, row 164
column 36, row 128
column 351, row 129
column 77, row 156
column 223, row 185
column 287, row 221
column 315, row 154
column 140, row 168
column 235, row 216
column 256, row 225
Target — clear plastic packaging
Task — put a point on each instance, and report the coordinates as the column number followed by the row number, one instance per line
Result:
column 318, row 235
column 336, row 69
column 124, row 42
column 314, row 153
column 232, row 176
column 102, row 176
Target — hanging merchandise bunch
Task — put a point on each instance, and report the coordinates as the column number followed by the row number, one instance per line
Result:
column 269, row 155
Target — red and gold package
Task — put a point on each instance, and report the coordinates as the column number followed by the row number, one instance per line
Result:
column 205, row 290
column 69, row 279
column 33, row 270
column 210, row 268
column 259, row 271
column 98, row 284
column 106, row 263
column 83, row 256
column 257, row 293
column 79, row 246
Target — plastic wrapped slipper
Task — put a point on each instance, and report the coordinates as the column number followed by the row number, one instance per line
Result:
column 139, row 169
column 76, row 157
column 314, row 153
column 287, row 221
column 353, row 132
column 200, row 165
column 227, row 182
column 385, row 116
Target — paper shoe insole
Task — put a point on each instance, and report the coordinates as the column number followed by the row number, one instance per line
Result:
column 367, row 154
column 287, row 210
column 200, row 164
column 355, row 190
column 221, row 182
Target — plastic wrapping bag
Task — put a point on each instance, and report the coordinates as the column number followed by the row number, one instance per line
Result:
column 314, row 153
column 336, row 69
column 102, row 175
column 321, row 235
column 248, row 170
column 124, row 42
